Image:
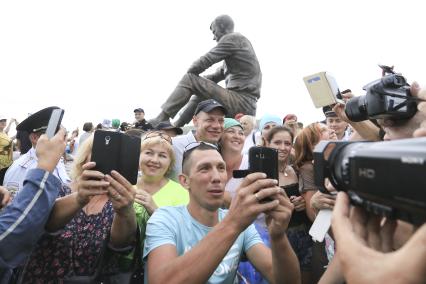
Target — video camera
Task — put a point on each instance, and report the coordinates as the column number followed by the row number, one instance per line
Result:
column 388, row 97
column 386, row 178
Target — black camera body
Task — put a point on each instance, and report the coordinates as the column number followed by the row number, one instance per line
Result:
column 386, row 178
column 388, row 97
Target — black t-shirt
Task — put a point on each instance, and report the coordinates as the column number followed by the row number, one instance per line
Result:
column 144, row 125
column 24, row 140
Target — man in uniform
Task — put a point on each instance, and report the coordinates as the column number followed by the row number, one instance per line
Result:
column 36, row 125
column 240, row 70
column 141, row 122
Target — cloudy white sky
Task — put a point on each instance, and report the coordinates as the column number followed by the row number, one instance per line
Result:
column 102, row 59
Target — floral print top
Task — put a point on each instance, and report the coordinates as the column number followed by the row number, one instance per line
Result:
column 71, row 251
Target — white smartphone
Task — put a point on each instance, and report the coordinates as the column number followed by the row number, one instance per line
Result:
column 54, row 122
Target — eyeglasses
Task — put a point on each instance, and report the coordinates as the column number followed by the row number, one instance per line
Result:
column 194, row 145
column 160, row 134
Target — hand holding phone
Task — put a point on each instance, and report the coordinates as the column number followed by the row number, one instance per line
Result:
column 261, row 159
column 116, row 151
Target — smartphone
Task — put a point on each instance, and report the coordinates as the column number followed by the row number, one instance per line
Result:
column 323, row 89
column 265, row 160
column 54, row 122
column 291, row 190
column 116, row 151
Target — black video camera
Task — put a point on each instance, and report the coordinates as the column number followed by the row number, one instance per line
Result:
column 388, row 97
column 386, row 178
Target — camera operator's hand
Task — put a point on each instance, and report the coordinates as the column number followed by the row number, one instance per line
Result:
column 339, row 108
column 364, row 243
column 421, row 93
column 245, row 206
column 50, row 151
column 278, row 218
column 322, row 201
column 90, row 183
column 4, row 196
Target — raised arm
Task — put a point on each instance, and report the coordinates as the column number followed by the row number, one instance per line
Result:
column 278, row 264
column 122, row 195
column 22, row 222
column 87, row 185
column 198, row 264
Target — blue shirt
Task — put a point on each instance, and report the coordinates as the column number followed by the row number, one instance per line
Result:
column 175, row 226
column 22, row 222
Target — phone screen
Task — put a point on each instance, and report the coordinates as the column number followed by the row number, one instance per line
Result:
column 54, row 122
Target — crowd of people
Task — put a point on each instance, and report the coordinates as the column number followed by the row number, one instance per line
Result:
column 187, row 219
column 189, row 210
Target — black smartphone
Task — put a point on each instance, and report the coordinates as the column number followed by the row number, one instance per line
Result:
column 291, row 190
column 117, row 151
column 54, row 122
column 265, row 160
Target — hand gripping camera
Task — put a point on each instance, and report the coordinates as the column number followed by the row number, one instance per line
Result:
column 386, row 178
column 388, row 98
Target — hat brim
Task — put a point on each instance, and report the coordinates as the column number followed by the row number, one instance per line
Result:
column 37, row 121
column 212, row 107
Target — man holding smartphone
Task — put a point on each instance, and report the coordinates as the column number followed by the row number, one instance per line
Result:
column 202, row 243
column 35, row 125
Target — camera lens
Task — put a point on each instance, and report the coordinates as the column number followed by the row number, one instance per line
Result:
column 356, row 109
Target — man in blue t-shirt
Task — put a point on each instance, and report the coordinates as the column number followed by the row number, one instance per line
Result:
column 201, row 243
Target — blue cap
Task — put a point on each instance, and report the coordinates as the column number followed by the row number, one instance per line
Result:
column 267, row 118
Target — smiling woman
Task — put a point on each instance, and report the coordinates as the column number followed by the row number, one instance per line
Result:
column 154, row 189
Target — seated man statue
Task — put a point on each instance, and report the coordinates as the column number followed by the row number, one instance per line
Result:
column 240, row 70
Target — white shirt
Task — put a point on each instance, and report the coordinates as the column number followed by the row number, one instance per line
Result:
column 179, row 144
column 15, row 175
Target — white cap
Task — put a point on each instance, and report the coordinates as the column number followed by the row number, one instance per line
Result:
column 2, row 117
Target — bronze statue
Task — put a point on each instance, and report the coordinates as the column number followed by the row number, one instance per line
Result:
column 240, row 70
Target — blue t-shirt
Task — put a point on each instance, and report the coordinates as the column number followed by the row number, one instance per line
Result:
column 174, row 225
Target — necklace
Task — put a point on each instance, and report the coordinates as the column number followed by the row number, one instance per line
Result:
column 284, row 171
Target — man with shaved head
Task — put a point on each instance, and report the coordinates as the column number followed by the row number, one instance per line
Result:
column 240, row 70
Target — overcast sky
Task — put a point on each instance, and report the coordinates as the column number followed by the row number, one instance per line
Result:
column 102, row 59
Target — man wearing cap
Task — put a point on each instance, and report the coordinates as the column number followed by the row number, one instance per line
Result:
column 240, row 70
column 169, row 129
column 141, row 123
column 335, row 123
column 36, row 125
column 208, row 119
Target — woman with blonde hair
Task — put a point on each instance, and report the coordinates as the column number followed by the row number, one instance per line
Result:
column 154, row 189
column 96, row 211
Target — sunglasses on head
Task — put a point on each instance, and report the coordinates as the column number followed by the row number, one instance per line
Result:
column 194, row 145
column 160, row 134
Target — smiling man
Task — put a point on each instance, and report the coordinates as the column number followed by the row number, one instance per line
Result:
column 208, row 119
column 201, row 243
